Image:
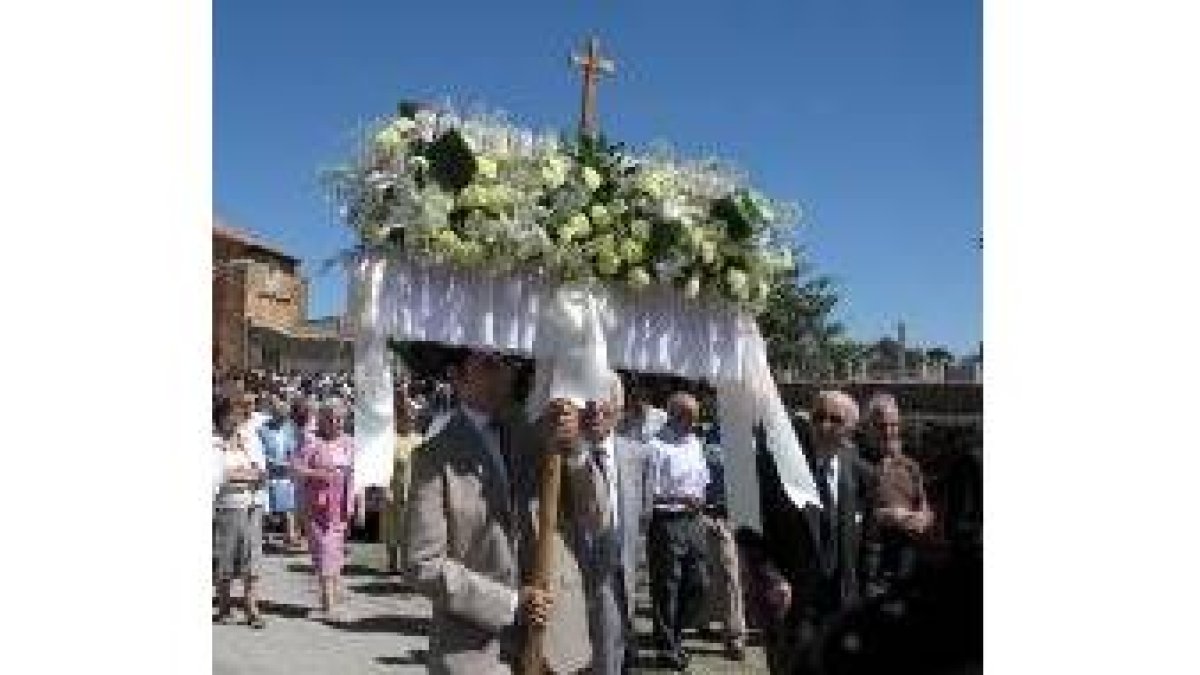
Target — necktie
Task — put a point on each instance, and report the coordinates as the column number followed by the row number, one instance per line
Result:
column 829, row 543
column 496, row 428
column 608, row 545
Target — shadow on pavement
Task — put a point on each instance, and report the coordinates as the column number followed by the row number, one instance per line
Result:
column 347, row 571
column 413, row 658
column 403, row 625
column 284, row 610
column 382, row 588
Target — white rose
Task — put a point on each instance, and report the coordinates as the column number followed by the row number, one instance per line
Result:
column 591, row 178
column 737, row 283
column 486, row 166
column 387, row 138
column 672, row 209
column 600, row 215
column 639, row 278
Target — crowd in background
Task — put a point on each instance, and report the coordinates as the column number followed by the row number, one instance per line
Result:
column 853, row 596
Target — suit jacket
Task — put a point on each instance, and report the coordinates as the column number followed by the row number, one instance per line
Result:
column 792, row 536
column 471, row 543
column 620, row 546
column 566, row 646
column 462, row 550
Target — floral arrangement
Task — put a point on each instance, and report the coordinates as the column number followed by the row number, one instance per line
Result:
column 479, row 193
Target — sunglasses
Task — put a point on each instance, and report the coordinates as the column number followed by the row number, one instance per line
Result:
column 825, row 417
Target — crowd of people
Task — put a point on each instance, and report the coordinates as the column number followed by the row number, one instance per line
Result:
column 642, row 482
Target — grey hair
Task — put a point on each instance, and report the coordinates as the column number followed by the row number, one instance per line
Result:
column 842, row 400
column 880, row 402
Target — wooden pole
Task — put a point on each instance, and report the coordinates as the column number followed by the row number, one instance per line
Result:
column 549, row 487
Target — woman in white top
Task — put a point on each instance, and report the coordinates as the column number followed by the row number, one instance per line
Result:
column 238, row 507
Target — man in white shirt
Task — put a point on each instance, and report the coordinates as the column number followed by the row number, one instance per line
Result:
column 677, row 543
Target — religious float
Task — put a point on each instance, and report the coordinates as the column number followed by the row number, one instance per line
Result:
column 579, row 254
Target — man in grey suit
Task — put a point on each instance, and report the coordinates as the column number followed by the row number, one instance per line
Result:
column 621, row 465
column 470, row 529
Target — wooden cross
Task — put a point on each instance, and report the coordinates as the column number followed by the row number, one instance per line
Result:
column 592, row 65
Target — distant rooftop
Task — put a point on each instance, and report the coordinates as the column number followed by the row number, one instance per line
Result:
column 249, row 239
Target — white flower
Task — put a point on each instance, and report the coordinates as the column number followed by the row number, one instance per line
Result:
column 486, row 167
column 639, row 278
column 653, row 183
column 388, row 138
column 738, row 281
column 554, row 172
column 692, row 289
column 472, row 196
column 607, row 261
column 591, row 178
column 672, row 209
column 426, row 125
column 632, row 251
column 708, row 252
column 764, row 289
column 600, row 215
column 577, row 226
column 403, row 125
column 640, row 229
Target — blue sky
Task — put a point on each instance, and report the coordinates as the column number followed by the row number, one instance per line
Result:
column 866, row 112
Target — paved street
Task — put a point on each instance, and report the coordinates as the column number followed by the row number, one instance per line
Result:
column 385, row 631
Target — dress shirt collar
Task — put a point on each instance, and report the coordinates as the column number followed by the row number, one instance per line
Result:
column 670, row 435
column 606, row 447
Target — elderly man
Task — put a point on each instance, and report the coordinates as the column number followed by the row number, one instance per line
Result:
column 900, row 509
column 812, row 554
column 622, row 466
column 471, row 525
column 677, row 540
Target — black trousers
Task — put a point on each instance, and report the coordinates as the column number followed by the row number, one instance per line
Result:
column 678, row 576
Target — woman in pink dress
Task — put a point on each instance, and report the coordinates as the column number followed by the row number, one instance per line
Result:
column 323, row 473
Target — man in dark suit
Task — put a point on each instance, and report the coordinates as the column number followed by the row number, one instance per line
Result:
column 812, row 554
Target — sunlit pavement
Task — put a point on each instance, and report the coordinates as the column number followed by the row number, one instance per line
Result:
column 383, row 632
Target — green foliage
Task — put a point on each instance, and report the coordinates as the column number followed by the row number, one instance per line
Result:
column 451, row 162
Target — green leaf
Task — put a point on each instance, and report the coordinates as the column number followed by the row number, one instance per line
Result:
column 451, row 162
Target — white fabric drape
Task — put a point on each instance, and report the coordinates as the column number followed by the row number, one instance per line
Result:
column 374, row 415
column 655, row 331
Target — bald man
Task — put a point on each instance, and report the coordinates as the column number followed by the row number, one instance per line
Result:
column 677, row 538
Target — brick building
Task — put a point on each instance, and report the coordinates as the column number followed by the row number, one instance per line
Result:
column 260, row 302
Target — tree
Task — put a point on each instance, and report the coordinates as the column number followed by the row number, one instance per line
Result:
column 940, row 356
column 797, row 324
